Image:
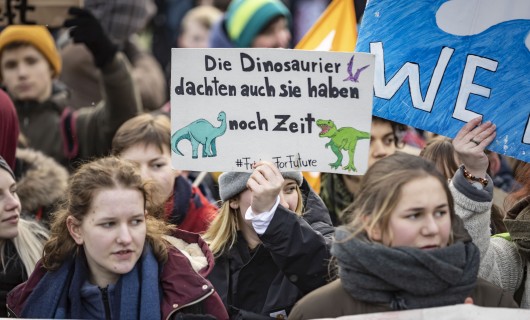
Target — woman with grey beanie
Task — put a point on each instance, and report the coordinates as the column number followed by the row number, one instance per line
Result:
column 269, row 249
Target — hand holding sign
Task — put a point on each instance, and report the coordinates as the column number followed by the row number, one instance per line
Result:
column 265, row 183
column 470, row 143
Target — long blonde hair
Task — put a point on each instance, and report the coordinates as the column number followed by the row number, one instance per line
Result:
column 29, row 244
column 381, row 191
column 222, row 233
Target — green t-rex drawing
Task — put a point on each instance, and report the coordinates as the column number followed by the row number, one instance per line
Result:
column 341, row 139
column 198, row 132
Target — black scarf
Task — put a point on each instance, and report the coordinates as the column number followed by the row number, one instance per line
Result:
column 405, row 277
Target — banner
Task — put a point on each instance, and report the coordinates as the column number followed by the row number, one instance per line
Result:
column 335, row 30
column 456, row 312
column 440, row 63
column 302, row 110
column 50, row 13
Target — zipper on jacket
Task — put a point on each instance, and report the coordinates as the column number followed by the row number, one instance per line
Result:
column 10, row 313
column 105, row 298
column 169, row 316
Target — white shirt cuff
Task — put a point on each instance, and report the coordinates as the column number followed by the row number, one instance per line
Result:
column 261, row 221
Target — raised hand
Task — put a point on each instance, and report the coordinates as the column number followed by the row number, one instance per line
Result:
column 87, row 29
column 470, row 143
column 265, row 183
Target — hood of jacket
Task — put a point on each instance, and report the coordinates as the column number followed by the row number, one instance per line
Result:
column 520, row 206
column 194, row 249
column 41, row 181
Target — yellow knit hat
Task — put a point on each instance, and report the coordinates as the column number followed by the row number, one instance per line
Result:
column 37, row 36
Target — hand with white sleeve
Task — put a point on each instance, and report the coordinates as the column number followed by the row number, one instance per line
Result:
column 470, row 143
column 265, row 183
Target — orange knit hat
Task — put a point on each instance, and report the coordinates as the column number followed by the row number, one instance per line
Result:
column 37, row 36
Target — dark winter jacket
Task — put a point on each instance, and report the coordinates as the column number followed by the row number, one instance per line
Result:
column 184, row 288
column 65, row 134
column 333, row 301
column 14, row 274
column 291, row 261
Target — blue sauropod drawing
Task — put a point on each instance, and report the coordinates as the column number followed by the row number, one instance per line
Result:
column 200, row 132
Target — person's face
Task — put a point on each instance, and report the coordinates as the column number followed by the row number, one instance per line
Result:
column 289, row 195
column 421, row 218
column 194, row 36
column 26, row 74
column 112, row 233
column 382, row 142
column 276, row 35
column 155, row 166
column 9, row 206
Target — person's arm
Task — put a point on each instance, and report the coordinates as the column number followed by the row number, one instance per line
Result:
column 148, row 76
column 472, row 191
column 95, row 126
column 298, row 250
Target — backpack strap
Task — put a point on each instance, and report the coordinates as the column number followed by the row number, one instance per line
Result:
column 69, row 133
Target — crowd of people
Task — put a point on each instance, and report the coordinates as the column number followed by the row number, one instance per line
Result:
column 96, row 224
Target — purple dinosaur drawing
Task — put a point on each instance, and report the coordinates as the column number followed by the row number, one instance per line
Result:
column 351, row 76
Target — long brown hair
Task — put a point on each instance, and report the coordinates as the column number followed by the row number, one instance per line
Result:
column 381, row 191
column 440, row 150
column 105, row 173
column 522, row 175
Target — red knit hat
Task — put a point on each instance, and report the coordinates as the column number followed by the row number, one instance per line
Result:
column 9, row 129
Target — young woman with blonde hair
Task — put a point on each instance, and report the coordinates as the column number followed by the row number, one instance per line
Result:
column 404, row 249
column 270, row 249
column 21, row 241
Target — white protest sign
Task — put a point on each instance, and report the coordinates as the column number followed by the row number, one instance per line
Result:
column 456, row 312
column 50, row 13
column 302, row 110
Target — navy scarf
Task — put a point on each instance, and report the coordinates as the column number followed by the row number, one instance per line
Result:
column 137, row 294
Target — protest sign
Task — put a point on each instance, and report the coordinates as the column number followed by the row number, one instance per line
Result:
column 456, row 312
column 50, row 13
column 461, row 59
column 302, row 110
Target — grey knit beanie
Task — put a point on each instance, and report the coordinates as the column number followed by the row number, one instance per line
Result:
column 6, row 167
column 233, row 183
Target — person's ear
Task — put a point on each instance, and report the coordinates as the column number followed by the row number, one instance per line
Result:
column 74, row 228
column 234, row 203
column 374, row 233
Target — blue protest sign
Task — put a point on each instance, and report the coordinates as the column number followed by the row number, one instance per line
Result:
column 440, row 63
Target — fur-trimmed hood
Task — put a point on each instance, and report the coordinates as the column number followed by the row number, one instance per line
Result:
column 41, row 181
column 194, row 248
